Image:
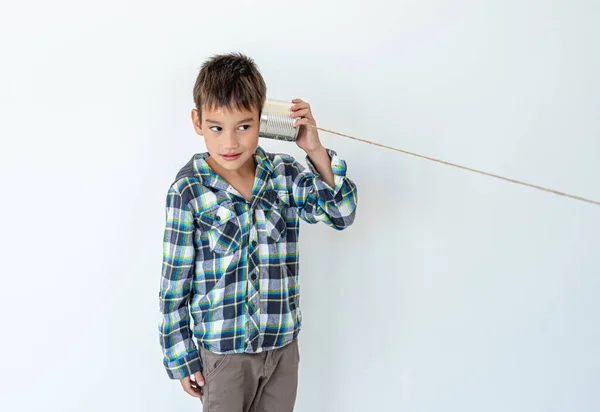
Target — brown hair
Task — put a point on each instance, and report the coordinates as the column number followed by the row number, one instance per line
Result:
column 229, row 80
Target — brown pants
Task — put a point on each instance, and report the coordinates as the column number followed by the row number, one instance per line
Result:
column 261, row 382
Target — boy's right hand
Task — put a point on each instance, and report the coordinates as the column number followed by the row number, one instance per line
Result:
column 193, row 386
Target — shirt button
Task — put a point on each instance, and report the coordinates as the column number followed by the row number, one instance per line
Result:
column 218, row 218
column 254, row 243
column 253, row 277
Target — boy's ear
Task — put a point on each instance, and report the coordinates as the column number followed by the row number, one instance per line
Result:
column 196, row 121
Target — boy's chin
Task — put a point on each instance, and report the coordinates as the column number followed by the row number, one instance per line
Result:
column 233, row 165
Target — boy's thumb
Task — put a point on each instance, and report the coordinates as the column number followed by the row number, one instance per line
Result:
column 199, row 378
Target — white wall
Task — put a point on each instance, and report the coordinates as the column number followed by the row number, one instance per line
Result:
column 452, row 291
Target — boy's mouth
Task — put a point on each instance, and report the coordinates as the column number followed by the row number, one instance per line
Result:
column 231, row 156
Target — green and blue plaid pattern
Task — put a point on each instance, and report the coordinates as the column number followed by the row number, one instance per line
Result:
column 231, row 265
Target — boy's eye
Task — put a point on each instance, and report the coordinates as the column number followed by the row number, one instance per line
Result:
column 219, row 128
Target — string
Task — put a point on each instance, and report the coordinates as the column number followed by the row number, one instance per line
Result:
column 545, row 189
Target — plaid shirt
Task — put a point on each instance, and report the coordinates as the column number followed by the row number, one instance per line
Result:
column 231, row 265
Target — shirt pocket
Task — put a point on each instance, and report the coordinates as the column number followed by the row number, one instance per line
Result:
column 221, row 225
column 274, row 204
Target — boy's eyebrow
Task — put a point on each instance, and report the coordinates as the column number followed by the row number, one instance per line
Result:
column 250, row 119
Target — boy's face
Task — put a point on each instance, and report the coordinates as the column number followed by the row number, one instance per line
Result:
column 231, row 137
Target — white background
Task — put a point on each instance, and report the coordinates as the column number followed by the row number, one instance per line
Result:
column 451, row 292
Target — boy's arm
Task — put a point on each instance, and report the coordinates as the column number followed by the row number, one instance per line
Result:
column 180, row 355
column 324, row 193
column 321, row 162
column 317, row 200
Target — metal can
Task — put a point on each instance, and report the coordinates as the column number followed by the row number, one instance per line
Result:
column 275, row 121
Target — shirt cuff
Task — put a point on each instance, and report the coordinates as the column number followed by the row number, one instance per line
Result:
column 338, row 166
column 185, row 366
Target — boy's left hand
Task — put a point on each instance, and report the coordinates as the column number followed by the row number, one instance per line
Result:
column 308, row 135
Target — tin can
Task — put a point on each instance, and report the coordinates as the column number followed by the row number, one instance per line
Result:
column 275, row 121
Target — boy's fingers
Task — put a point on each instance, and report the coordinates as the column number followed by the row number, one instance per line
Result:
column 300, row 113
column 306, row 122
column 300, row 122
column 186, row 383
column 199, row 378
column 298, row 106
column 196, row 393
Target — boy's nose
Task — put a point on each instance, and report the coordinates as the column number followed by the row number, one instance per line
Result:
column 230, row 141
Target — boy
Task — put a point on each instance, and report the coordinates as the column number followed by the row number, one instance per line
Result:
column 230, row 257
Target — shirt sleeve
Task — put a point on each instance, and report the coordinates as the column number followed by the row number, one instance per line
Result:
column 180, row 354
column 317, row 201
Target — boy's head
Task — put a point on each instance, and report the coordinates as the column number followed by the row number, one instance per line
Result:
column 229, row 95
